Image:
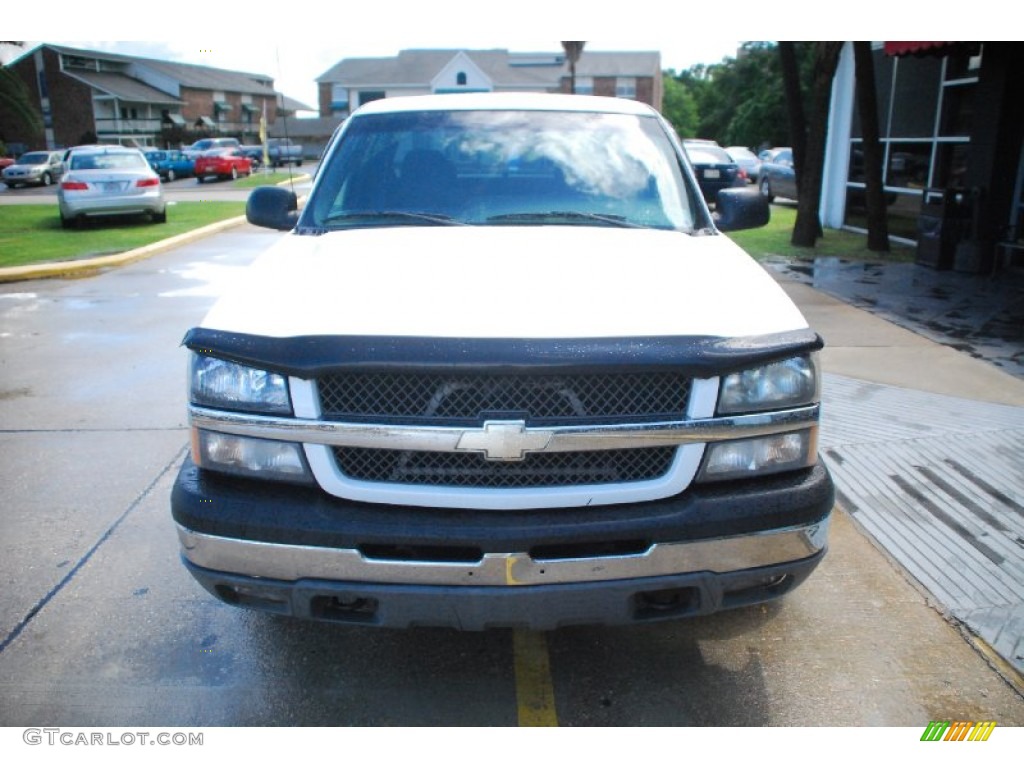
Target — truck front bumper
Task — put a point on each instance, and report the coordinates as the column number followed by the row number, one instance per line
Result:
column 296, row 551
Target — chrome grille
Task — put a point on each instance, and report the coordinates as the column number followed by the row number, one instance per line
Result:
column 536, row 470
column 538, row 398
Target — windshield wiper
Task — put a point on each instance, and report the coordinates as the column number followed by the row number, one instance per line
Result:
column 549, row 216
column 376, row 216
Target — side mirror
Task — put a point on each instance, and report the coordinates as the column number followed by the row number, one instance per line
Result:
column 273, row 208
column 740, row 208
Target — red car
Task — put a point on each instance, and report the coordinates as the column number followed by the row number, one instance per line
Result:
column 222, row 163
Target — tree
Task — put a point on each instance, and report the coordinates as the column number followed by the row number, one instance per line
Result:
column 679, row 106
column 572, row 49
column 867, row 105
column 794, row 104
column 16, row 101
column 807, row 228
column 740, row 100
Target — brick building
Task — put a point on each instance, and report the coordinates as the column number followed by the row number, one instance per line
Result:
column 352, row 82
column 93, row 96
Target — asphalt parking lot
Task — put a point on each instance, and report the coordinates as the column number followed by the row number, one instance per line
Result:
column 101, row 625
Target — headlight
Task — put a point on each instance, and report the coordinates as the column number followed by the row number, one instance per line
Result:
column 249, row 456
column 760, row 455
column 222, row 384
column 785, row 384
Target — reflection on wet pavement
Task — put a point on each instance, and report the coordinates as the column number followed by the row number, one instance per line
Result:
column 981, row 315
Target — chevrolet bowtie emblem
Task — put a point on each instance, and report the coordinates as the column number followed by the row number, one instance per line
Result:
column 503, row 440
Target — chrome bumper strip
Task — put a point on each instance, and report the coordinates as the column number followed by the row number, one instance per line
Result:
column 293, row 562
column 506, row 440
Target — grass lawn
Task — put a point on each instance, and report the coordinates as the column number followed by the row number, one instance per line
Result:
column 772, row 240
column 31, row 234
column 260, row 179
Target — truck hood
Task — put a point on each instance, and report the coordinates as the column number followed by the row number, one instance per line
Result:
column 505, row 282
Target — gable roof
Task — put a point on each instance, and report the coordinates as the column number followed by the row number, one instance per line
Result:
column 417, row 68
column 124, row 87
column 189, row 75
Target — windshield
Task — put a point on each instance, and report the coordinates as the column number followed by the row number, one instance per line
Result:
column 706, row 153
column 490, row 166
column 34, row 158
column 108, row 161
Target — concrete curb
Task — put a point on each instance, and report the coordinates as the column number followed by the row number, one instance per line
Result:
column 86, row 267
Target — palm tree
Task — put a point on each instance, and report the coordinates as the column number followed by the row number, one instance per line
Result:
column 572, row 49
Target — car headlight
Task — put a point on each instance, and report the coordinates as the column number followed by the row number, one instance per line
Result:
column 249, row 456
column 760, row 455
column 784, row 384
column 222, row 384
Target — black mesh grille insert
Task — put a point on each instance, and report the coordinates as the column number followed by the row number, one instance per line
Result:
column 537, row 470
column 418, row 398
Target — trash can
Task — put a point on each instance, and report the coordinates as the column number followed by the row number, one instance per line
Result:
column 944, row 221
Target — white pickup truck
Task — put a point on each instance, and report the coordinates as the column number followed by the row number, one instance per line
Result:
column 504, row 369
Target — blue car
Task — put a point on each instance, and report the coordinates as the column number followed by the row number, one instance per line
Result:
column 170, row 164
column 778, row 175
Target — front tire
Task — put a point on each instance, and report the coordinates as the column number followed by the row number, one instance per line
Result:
column 766, row 190
column 234, row 172
column 47, row 179
column 171, row 175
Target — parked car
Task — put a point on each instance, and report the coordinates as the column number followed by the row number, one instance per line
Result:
column 170, row 164
column 223, row 164
column 204, row 145
column 255, row 153
column 402, row 420
column 778, row 178
column 283, row 152
column 5, row 162
column 109, row 181
column 39, row 167
column 713, row 167
column 746, row 160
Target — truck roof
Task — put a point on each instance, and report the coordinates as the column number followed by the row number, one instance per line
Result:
column 503, row 101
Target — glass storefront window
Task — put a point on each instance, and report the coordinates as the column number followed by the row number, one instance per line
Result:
column 908, row 164
column 957, row 109
column 951, row 164
column 903, row 209
column 916, row 97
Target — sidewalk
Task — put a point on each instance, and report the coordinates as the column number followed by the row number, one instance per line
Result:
column 925, row 444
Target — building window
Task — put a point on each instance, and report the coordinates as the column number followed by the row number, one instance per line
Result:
column 625, row 87
column 367, row 96
column 584, row 86
column 460, row 79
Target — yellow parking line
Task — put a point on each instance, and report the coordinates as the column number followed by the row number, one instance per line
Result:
column 535, row 694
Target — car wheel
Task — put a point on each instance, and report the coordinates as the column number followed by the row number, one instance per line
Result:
column 234, row 172
column 171, row 175
column 159, row 218
column 200, row 179
column 67, row 223
column 766, row 190
column 47, row 179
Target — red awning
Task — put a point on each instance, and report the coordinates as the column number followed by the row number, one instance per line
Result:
column 905, row 49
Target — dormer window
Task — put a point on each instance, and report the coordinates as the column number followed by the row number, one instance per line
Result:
column 460, row 79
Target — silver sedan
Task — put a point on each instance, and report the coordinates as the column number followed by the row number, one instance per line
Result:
column 109, row 181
